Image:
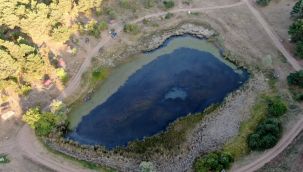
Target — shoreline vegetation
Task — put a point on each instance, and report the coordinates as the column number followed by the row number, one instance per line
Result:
column 129, row 158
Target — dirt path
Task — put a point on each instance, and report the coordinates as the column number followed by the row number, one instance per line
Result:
column 291, row 60
column 74, row 83
column 297, row 128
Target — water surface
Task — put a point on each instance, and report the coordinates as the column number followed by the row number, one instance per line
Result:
column 169, row 83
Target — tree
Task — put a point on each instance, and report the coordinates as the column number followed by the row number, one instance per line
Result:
column 276, row 107
column 214, row 161
column 62, row 75
column 32, row 116
column 297, row 10
column 266, row 135
column 296, row 78
column 131, row 28
column 169, row 4
column 263, row 2
column 296, row 31
column 57, row 107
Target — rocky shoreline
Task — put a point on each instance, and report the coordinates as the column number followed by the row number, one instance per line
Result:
column 233, row 111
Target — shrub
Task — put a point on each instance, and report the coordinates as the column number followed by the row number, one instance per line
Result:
column 215, row 161
column 276, row 107
column 263, row 2
column 43, row 123
column 169, row 4
column 3, row 159
column 296, row 78
column 266, row 135
column 62, row 75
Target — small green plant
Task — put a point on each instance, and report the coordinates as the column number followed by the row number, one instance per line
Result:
column 99, row 74
column 215, row 161
column 263, row 2
column 62, row 75
column 4, row 159
column 168, row 4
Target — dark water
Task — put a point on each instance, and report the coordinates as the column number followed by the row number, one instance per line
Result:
column 174, row 85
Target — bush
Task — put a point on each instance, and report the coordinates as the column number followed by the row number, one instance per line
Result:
column 276, row 107
column 62, row 75
column 296, row 78
column 169, row 4
column 3, row 159
column 263, row 2
column 215, row 161
column 266, row 135
column 131, row 28
column 43, row 123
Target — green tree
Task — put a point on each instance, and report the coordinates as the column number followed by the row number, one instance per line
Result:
column 296, row 78
column 276, row 107
column 32, row 116
column 263, row 2
column 296, row 31
column 297, row 10
column 169, row 4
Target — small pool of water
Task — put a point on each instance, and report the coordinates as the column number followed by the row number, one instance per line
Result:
column 164, row 84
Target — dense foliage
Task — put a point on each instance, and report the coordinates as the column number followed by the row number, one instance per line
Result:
column 43, row 123
column 297, row 10
column 296, row 78
column 43, row 18
column 268, row 132
column 21, row 63
column 263, row 2
column 169, row 4
column 296, row 29
column 266, row 135
column 215, row 161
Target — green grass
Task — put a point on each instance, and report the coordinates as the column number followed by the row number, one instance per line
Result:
column 170, row 140
column 238, row 145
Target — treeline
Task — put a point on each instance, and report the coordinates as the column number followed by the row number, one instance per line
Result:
column 296, row 29
column 21, row 63
column 23, row 22
column 42, row 18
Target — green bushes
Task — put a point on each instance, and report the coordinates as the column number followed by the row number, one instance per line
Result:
column 296, row 79
column 94, row 28
column 296, row 29
column 263, row 2
column 168, row 4
column 43, row 123
column 62, row 75
column 266, row 135
column 215, row 161
column 269, row 131
column 3, row 159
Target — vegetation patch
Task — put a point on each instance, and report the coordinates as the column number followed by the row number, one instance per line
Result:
column 215, row 161
column 296, row 29
column 4, row 159
column 262, row 131
column 295, row 82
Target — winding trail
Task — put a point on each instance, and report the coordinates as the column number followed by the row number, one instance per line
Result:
column 74, row 83
column 30, row 146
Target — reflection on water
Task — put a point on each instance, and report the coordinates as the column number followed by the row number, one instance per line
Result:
column 172, row 85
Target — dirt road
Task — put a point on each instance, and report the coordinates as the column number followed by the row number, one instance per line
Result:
column 273, row 36
column 74, row 83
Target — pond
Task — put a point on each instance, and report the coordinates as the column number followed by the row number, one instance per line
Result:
column 141, row 98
